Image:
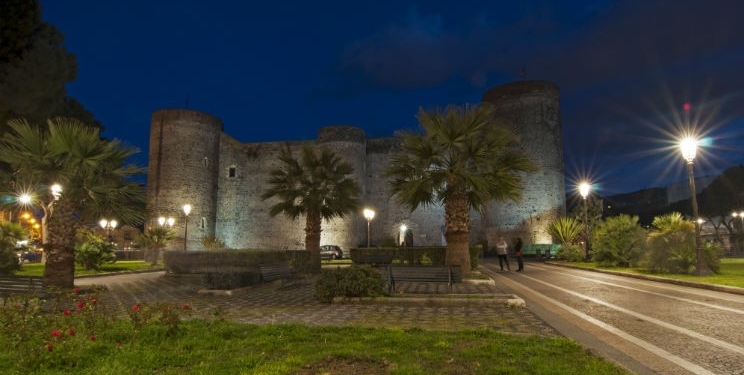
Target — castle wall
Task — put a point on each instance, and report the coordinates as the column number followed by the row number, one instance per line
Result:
column 534, row 107
column 193, row 161
column 184, row 160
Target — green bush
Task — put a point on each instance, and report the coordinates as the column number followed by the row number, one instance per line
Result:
column 619, row 241
column 671, row 245
column 570, row 253
column 10, row 235
column 93, row 252
column 353, row 281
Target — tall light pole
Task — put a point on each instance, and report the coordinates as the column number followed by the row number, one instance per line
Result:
column 369, row 214
column 584, row 188
column 186, row 212
column 688, row 146
column 108, row 225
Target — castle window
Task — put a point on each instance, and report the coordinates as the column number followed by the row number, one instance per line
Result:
column 231, row 172
column 206, row 162
column 203, row 223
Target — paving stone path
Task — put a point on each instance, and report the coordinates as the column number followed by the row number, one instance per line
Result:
column 275, row 303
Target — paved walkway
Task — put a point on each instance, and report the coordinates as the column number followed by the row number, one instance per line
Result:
column 275, row 303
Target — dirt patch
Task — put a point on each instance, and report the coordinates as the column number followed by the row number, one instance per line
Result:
column 343, row 366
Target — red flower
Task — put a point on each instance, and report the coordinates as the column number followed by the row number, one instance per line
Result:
column 92, row 337
column 186, row 307
column 81, row 304
column 56, row 333
column 136, row 307
column 49, row 346
column 72, row 332
column 75, row 290
column 66, row 312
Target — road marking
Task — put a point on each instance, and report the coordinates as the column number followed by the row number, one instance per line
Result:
column 679, row 361
column 706, row 304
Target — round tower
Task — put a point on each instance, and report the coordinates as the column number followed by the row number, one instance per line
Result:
column 348, row 143
column 183, row 169
column 533, row 107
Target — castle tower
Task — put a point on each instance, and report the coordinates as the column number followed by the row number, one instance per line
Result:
column 348, row 143
column 183, row 168
column 534, row 108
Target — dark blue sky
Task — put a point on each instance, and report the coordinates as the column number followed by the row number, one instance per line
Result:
column 283, row 70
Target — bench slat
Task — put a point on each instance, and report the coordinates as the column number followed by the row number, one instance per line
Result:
column 441, row 274
column 21, row 285
column 276, row 271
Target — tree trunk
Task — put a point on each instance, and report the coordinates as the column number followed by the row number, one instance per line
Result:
column 312, row 240
column 59, row 270
column 457, row 220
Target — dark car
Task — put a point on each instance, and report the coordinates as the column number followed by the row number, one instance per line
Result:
column 331, row 252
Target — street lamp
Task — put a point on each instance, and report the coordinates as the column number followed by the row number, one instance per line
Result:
column 108, row 225
column 369, row 214
column 169, row 221
column 584, row 188
column 186, row 212
column 688, row 146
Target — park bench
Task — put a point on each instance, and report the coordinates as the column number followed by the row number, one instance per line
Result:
column 276, row 271
column 21, row 285
column 431, row 274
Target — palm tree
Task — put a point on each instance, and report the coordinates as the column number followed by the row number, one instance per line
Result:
column 566, row 230
column 464, row 159
column 317, row 186
column 154, row 240
column 93, row 175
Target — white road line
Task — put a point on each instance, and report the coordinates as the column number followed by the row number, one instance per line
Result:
column 691, row 290
column 724, row 308
column 679, row 361
column 682, row 330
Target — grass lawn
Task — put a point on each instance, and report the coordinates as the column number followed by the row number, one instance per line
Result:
column 214, row 347
column 37, row 269
column 731, row 273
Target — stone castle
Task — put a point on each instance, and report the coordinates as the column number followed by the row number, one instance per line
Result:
column 191, row 160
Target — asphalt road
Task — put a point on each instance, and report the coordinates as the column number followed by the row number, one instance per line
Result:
column 645, row 326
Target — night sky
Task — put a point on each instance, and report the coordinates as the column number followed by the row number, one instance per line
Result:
column 283, row 70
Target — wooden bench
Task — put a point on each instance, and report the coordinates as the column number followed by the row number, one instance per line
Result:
column 21, row 285
column 431, row 274
column 276, row 271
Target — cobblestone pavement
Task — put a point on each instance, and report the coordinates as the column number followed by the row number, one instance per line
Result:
column 483, row 306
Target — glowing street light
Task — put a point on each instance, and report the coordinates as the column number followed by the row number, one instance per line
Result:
column 186, row 212
column 108, row 225
column 369, row 214
column 584, row 189
column 688, row 146
column 162, row 221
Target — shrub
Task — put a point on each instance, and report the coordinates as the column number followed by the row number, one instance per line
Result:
column 671, row 245
column 618, row 241
column 571, row 253
column 353, row 281
column 10, row 235
column 93, row 252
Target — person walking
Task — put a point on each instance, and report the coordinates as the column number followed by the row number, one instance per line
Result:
column 502, row 251
column 518, row 254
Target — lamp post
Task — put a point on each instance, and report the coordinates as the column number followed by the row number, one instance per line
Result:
column 688, row 146
column 369, row 214
column 108, row 225
column 584, row 188
column 186, row 212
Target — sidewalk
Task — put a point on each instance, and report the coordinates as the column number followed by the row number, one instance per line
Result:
column 274, row 304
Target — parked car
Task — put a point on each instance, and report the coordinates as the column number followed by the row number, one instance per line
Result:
column 331, row 252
